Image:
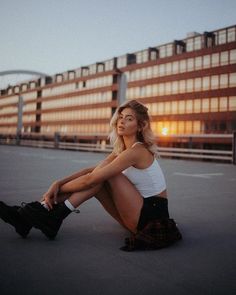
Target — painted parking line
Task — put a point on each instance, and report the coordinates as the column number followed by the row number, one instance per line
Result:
column 202, row 175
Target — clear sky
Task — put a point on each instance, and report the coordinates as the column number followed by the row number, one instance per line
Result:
column 54, row 36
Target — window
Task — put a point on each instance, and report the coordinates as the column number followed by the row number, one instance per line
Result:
column 224, row 58
column 214, row 104
column 153, row 54
column 183, row 66
column 167, row 88
column 188, row 127
column 189, row 45
column 214, row 82
column 174, row 107
column 205, row 105
column 197, row 43
column 222, row 37
column 223, row 104
column 181, row 127
column 162, row 70
column 175, row 67
column 232, row 103
column 181, row 106
column 197, row 84
column 169, row 49
column 161, row 89
column 206, row 61
column 197, row 106
column 155, row 71
column 215, row 60
column 231, row 34
column 168, row 68
column 206, row 83
column 189, row 106
column 198, row 63
column 182, row 85
column 160, row 108
column 190, row 64
column 223, row 81
column 149, row 72
column 175, row 87
column 232, row 80
column 162, row 51
column 189, row 85
column 233, row 56
column 149, row 90
column 196, row 127
column 167, row 107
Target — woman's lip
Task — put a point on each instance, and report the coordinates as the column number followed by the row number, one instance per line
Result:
column 120, row 127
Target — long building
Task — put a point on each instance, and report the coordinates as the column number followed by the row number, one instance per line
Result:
column 189, row 86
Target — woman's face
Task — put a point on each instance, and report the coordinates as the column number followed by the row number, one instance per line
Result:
column 127, row 124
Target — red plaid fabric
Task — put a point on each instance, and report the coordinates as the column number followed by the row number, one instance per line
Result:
column 157, row 234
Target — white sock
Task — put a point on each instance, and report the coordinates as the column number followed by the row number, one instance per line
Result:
column 69, row 205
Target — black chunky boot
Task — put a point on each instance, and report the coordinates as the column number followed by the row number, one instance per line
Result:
column 11, row 215
column 48, row 221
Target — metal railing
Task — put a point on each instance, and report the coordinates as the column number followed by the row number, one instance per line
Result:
column 170, row 152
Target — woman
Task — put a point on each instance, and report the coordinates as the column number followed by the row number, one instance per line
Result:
column 129, row 183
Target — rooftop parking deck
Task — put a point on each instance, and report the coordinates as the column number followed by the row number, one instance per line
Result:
column 85, row 257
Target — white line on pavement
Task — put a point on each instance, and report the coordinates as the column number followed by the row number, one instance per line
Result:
column 203, row 175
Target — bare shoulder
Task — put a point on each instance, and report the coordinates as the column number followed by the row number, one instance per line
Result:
column 144, row 157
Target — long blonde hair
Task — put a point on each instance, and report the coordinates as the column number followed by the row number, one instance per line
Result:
column 145, row 135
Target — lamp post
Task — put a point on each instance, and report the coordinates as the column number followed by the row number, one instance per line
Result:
column 19, row 119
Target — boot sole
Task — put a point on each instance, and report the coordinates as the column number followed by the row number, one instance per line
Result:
column 47, row 231
column 8, row 219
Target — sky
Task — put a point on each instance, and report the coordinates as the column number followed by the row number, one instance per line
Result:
column 53, row 36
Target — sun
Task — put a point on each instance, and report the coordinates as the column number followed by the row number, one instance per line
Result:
column 165, row 131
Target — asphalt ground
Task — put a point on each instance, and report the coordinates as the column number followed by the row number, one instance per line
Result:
column 85, row 257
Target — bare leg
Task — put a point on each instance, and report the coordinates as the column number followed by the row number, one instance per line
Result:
column 100, row 192
column 127, row 200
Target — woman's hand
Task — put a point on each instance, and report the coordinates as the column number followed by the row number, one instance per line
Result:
column 50, row 197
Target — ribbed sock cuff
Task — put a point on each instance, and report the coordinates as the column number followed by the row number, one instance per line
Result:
column 69, row 205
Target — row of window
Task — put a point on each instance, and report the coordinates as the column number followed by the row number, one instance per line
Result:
column 176, row 127
column 7, row 130
column 190, row 44
column 176, row 107
column 193, row 106
column 81, row 85
column 8, row 110
column 65, row 102
column 78, row 100
column 176, row 67
column 28, row 118
column 183, row 86
column 29, row 95
column 165, row 128
column 79, row 129
column 98, row 113
column 185, row 65
column 8, row 100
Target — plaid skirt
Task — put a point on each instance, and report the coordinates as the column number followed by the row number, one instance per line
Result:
column 155, row 229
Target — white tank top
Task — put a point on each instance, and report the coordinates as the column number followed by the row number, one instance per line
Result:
column 149, row 181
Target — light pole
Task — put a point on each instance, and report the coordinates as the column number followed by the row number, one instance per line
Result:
column 19, row 119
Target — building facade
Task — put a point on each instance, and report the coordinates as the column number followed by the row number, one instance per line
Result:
column 188, row 85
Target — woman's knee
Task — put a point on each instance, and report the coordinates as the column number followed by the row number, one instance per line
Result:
column 116, row 179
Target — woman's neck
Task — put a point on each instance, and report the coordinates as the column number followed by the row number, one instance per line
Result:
column 129, row 141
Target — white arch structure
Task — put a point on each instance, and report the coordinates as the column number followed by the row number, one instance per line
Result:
column 6, row 79
column 26, row 72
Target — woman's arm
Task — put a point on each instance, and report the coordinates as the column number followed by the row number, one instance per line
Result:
column 50, row 196
column 126, row 159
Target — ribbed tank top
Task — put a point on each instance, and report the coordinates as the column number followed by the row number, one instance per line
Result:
column 149, row 181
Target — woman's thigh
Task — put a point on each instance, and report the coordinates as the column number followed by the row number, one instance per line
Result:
column 127, row 199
